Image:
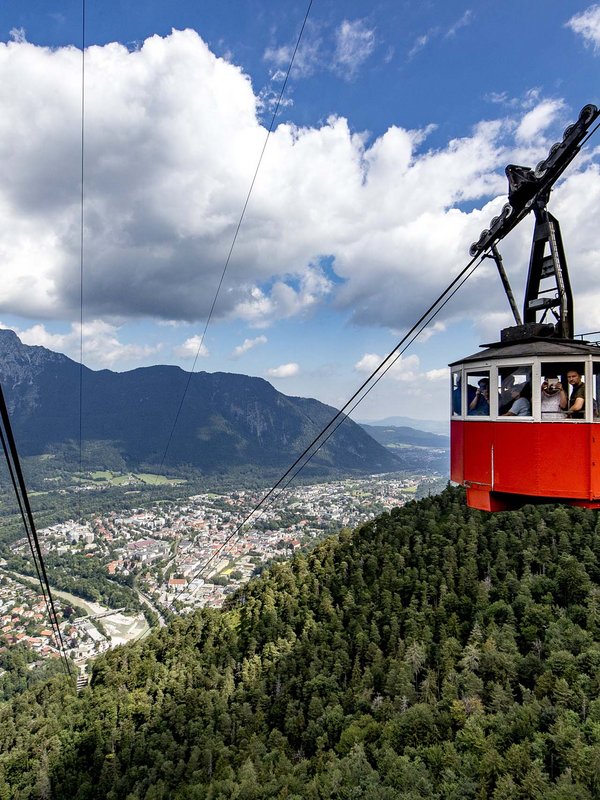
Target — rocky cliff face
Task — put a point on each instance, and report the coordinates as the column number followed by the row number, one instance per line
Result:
column 226, row 421
column 21, row 367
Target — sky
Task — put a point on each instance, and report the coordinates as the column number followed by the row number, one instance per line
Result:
column 385, row 161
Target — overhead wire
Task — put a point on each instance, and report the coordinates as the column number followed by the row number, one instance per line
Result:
column 356, row 398
column 7, row 439
column 81, row 238
column 16, row 473
column 276, row 497
column 13, row 479
column 589, row 135
column 374, row 383
column 353, row 402
column 385, row 365
column 235, row 235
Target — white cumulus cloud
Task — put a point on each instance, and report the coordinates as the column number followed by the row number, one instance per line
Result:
column 355, row 42
column 402, row 369
column 173, row 135
column 192, row 347
column 431, row 330
column 284, row 371
column 440, row 374
column 537, row 120
column 101, row 344
column 408, row 383
column 248, row 344
column 587, row 25
column 260, row 308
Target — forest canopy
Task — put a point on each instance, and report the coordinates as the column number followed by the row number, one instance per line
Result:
column 435, row 652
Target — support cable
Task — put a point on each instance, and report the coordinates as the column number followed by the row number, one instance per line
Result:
column 81, row 242
column 589, row 135
column 356, row 398
column 342, row 418
column 372, row 386
column 25, row 506
column 235, row 235
column 13, row 480
column 482, row 254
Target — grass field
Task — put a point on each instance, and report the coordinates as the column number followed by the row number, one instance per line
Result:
column 124, row 479
column 147, row 477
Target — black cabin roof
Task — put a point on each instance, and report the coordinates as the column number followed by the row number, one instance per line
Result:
column 525, row 348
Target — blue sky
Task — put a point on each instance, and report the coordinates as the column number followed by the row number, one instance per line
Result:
column 385, row 163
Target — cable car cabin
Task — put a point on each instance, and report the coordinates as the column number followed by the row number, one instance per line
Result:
column 538, row 452
column 525, row 425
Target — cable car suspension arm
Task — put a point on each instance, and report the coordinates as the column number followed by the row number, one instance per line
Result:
column 526, row 185
column 529, row 190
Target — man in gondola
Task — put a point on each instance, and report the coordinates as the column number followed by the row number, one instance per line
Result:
column 576, row 409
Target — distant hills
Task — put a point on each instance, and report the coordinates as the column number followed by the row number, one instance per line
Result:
column 440, row 427
column 421, row 449
column 227, row 421
column 392, row 436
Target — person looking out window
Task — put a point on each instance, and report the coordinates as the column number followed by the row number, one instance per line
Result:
column 521, row 405
column 480, row 404
column 553, row 398
column 576, row 408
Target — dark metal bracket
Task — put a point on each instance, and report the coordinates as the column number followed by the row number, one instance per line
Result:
column 548, row 285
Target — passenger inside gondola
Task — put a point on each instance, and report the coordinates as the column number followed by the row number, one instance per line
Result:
column 553, row 398
column 505, row 394
column 576, row 408
column 480, row 404
column 521, row 405
column 514, row 391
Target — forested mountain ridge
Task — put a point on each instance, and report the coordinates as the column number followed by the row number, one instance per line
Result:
column 436, row 652
column 227, row 421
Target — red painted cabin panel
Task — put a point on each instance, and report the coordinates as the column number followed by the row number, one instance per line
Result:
column 595, row 461
column 456, row 451
column 504, row 464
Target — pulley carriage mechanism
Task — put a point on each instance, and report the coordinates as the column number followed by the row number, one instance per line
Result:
column 525, row 424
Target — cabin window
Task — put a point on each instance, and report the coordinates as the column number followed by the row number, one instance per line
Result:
column 478, row 393
column 554, row 390
column 574, row 375
column 514, row 391
column 596, row 393
column 456, row 394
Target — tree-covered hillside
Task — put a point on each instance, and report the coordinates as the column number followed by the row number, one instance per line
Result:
column 436, row 652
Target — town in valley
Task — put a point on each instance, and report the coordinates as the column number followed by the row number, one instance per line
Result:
column 179, row 555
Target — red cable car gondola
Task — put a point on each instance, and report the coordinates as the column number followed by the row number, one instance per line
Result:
column 525, row 423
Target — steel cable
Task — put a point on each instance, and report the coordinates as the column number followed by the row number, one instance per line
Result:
column 235, row 237
column 354, row 400
column 28, row 521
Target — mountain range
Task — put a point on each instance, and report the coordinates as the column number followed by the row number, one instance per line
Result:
column 225, row 421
